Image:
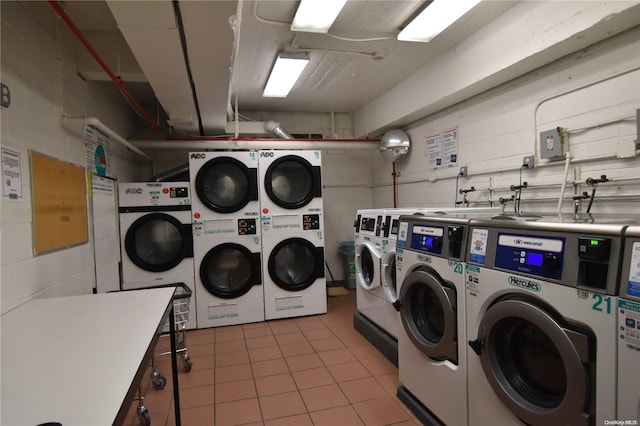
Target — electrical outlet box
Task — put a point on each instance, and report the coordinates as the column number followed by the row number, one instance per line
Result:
column 528, row 162
column 551, row 142
column 463, row 171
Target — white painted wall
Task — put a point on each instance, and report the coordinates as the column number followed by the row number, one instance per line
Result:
column 39, row 69
column 593, row 94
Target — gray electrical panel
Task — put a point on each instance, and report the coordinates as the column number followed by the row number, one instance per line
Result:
column 551, row 142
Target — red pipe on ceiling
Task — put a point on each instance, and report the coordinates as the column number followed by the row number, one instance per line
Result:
column 74, row 29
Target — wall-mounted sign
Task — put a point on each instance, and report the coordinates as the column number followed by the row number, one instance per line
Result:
column 98, row 157
column 11, row 174
column 442, row 149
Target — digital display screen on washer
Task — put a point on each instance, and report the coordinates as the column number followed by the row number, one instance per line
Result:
column 178, row 192
column 540, row 256
column 368, row 224
column 427, row 238
column 394, row 226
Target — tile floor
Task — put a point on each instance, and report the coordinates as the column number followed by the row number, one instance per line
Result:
column 314, row 370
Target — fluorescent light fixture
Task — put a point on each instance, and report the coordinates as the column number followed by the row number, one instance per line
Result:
column 284, row 74
column 316, row 16
column 435, row 18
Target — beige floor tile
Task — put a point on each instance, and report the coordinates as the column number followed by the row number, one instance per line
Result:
column 283, row 326
column 234, row 391
column 336, row 356
column 237, row 412
column 295, row 349
column 289, row 338
column 202, row 377
column 269, row 367
column 327, row 344
column 231, row 358
column 380, row 365
column 225, row 334
column 204, row 362
column 264, row 354
column 271, row 385
column 323, row 397
column 320, row 333
column 260, row 342
column 281, row 405
column 310, row 323
column 196, row 397
column 298, row 420
column 193, row 416
column 230, row 346
column 250, row 333
column 336, row 416
column 200, row 350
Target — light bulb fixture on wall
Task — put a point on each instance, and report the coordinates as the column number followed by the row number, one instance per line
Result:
column 284, row 74
column 437, row 16
column 316, row 16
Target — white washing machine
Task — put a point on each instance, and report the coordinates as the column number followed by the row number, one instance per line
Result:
column 540, row 309
column 629, row 330
column 293, row 268
column 224, row 185
column 155, row 235
column 432, row 356
column 228, row 272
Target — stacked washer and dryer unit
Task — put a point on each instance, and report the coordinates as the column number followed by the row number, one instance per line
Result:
column 258, row 235
column 156, row 239
column 541, row 300
column 292, row 233
column 226, row 237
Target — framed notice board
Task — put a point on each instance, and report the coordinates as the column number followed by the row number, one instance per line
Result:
column 59, row 204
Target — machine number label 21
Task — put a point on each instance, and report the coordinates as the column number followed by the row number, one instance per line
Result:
column 601, row 300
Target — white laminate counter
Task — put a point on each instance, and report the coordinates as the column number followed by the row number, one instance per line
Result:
column 72, row 360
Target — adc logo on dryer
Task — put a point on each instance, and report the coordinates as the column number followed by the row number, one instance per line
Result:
column 133, row 191
column 197, row 155
column 266, row 154
column 524, row 283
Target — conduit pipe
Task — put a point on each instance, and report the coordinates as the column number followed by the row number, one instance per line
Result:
column 564, row 181
column 76, row 31
column 258, row 143
column 72, row 123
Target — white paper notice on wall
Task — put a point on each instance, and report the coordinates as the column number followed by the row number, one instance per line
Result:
column 11, row 174
column 442, row 149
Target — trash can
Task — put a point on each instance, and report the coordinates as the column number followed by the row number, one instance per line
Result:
column 348, row 251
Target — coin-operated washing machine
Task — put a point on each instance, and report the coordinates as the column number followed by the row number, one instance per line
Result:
column 432, row 356
column 629, row 330
column 155, row 236
column 540, row 309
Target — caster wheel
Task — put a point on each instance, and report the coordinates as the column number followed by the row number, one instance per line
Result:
column 186, row 363
column 143, row 416
column 159, row 382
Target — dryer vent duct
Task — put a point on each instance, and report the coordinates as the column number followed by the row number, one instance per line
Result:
column 394, row 144
column 277, row 130
column 177, row 174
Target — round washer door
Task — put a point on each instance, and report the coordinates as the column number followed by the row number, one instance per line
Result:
column 291, row 182
column 295, row 264
column 388, row 276
column 428, row 310
column 535, row 363
column 157, row 242
column 225, row 184
column 367, row 266
column 230, row 270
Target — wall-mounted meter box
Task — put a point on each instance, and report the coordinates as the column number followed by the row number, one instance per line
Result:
column 551, row 144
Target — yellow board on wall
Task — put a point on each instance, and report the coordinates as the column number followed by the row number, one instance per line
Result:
column 59, row 204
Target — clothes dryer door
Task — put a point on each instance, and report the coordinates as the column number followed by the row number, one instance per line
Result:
column 428, row 310
column 226, row 185
column 536, row 362
column 157, row 242
column 230, row 270
column 291, row 182
column 295, row 264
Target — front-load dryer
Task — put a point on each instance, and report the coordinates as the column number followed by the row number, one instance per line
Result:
column 224, row 185
column 293, row 268
column 540, row 313
column 228, row 272
column 432, row 356
column 155, row 235
column 290, row 183
column 629, row 329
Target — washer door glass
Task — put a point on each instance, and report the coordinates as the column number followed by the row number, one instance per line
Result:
column 226, row 185
column 157, row 242
column 535, row 362
column 295, row 264
column 230, row 270
column 366, row 269
column 292, row 182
